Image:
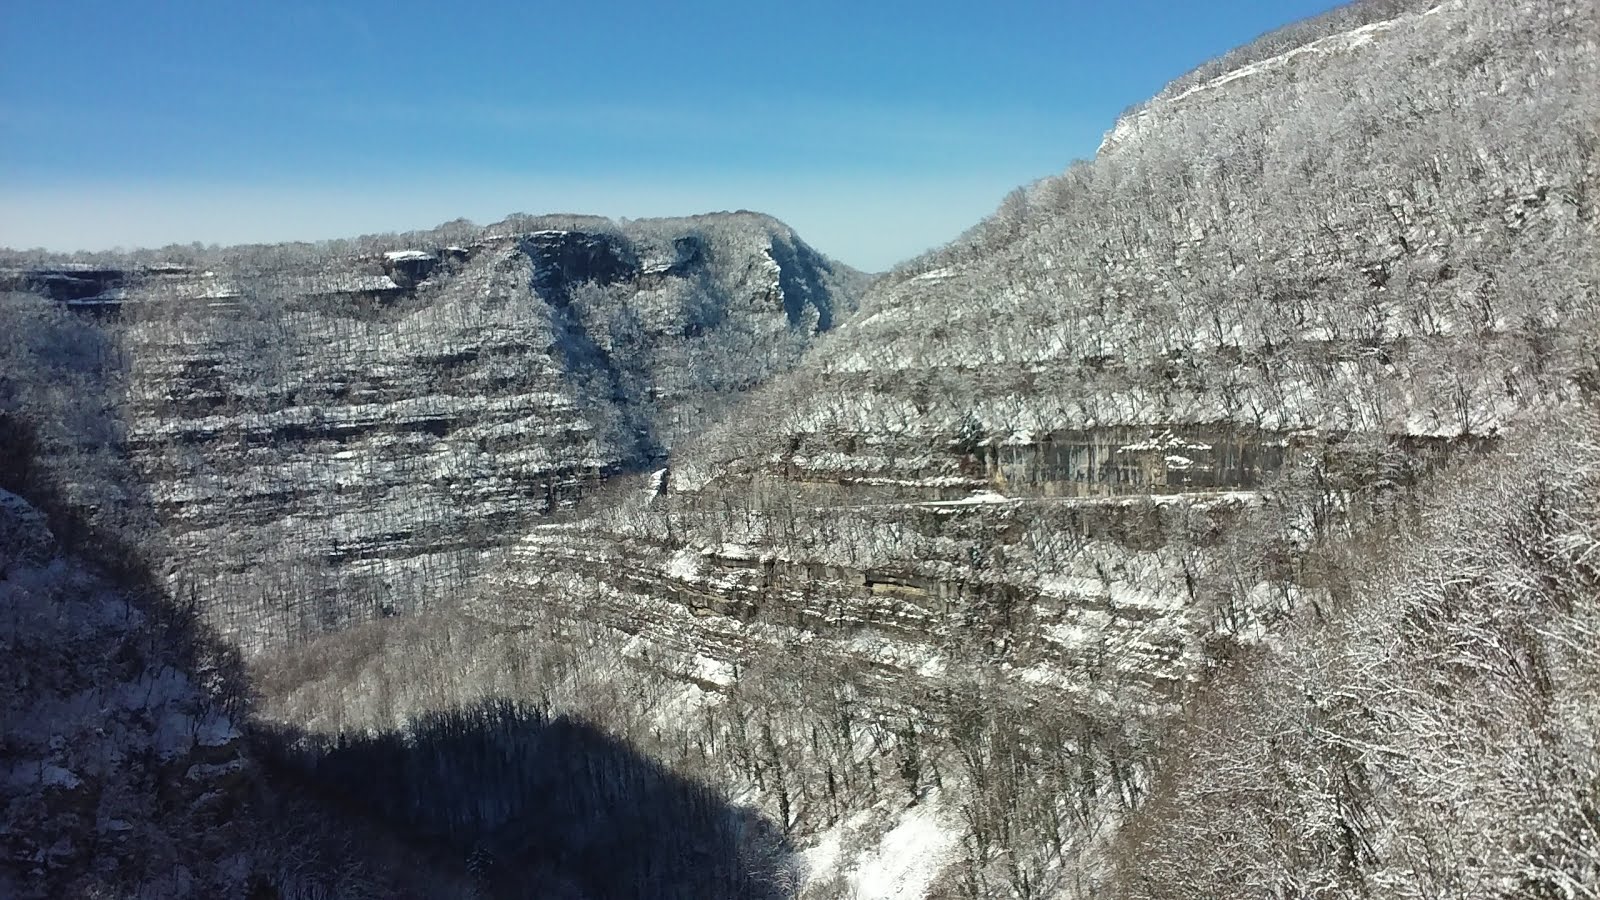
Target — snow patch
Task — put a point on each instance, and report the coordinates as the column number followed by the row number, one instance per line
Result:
column 977, row 498
column 711, row 671
column 684, row 565
column 1127, row 126
column 909, row 858
column 822, row 860
column 57, row 777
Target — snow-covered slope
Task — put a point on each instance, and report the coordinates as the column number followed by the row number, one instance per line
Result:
column 1303, row 57
column 934, row 605
column 123, row 766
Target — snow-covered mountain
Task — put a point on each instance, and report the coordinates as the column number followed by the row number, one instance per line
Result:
column 1216, row 519
column 325, row 439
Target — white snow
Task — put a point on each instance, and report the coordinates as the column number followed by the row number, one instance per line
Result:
column 1070, row 586
column 936, row 481
column 684, row 565
column 712, row 671
column 407, row 255
column 823, row 859
column 1347, row 40
column 1073, row 634
column 909, row 858
column 911, row 656
column 1166, row 440
column 1127, row 126
column 977, row 498
column 656, row 483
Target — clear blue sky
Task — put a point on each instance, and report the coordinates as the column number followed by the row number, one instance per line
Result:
column 876, row 129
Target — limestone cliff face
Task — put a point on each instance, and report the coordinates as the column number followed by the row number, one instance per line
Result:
column 1265, row 290
column 331, row 440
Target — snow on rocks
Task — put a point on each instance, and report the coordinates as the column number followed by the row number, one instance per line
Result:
column 909, row 857
column 712, row 671
column 685, row 565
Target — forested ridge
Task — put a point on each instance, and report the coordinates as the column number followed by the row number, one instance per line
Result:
column 1218, row 518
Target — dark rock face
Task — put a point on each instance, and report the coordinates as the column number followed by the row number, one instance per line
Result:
column 91, row 291
column 800, row 272
column 65, row 284
column 563, row 259
column 688, row 249
column 408, row 267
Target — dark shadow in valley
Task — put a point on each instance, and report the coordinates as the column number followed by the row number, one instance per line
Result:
column 535, row 806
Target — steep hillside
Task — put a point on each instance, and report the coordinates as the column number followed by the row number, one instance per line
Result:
column 951, row 585
column 126, row 771
column 1216, row 519
column 1429, row 729
column 1383, row 232
column 130, row 766
column 329, row 434
column 133, row 764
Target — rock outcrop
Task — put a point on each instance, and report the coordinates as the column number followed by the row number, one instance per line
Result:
column 125, row 770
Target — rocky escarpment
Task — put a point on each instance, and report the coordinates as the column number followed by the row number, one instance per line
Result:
column 131, row 765
column 1182, row 377
column 84, row 705
column 946, row 601
column 327, row 439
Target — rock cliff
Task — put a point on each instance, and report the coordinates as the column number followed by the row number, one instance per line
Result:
column 327, row 439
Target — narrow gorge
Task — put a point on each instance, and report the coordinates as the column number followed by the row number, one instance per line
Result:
column 1217, row 518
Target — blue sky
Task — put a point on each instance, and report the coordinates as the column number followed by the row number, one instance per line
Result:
column 876, row 129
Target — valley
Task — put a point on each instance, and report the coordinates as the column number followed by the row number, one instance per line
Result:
column 1217, row 518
